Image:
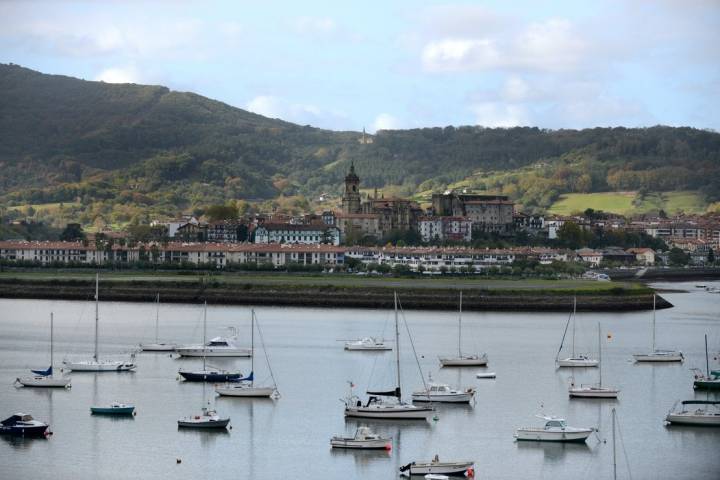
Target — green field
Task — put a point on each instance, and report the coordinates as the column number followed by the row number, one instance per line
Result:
column 628, row 203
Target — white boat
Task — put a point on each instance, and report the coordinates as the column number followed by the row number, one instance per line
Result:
column 216, row 347
column 576, row 360
column 485, row 375
column 207, row 419
column 695, row 412
column 555, row 430
column 45, row 378
column 367, row 343
column 97, row 365
column 594, row 391
column 710, row 380
column 364, row 439
column 246, row 387
column 461, row 359
column 658, row 355
column 436, row 467
column 386, row 404
column 443, row 393
column 157, row 346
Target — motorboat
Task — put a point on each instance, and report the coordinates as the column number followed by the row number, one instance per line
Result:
column 23, row 425
column 463, row 359
column 115, row 408
column 387, row 404
column 45, row 378
column 695, row 412
column 555, row 430
column 438, row 467
column 157, row 345
column 443, row 393
column 245, row 387
column 95, row 364
column 658, row 355
column 709, row 380
column 575, row 360
column 364, row 439
column 485, row 375
column 216, row 347
column 596, row 390
column 208, row 419
column 367, row 343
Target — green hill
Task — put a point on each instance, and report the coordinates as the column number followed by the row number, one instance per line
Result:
column 123, row 152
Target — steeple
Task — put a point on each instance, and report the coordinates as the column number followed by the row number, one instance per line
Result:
column 351, row 197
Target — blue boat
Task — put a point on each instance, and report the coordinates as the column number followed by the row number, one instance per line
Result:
column 211, row 376
column 114, row 408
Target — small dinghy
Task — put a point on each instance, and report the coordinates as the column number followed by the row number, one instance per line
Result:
column 485, row 375
column 695, row 412
column 207, row 419
column 114, row 408
column 439, row 469
column 364, row 439
column 555, row 430
column 23, row 425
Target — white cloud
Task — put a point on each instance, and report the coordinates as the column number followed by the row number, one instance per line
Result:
column 496, row 114
column 385, row 121
column 456, row 55
column 119, row 75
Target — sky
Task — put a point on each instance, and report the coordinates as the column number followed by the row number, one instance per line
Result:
column 395, row 64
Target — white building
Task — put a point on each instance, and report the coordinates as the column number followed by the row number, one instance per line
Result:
column 457, row 229
column 304, row 234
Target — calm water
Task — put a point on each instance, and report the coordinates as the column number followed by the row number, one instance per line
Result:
column 289, row 438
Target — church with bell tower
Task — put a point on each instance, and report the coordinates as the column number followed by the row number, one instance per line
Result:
column 351, row 197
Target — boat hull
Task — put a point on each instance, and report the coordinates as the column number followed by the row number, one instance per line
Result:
column 204, row 424
column 128, row 410
column 593, row 392
column 706, row 384
column 463, row 397
column 157, row 347
column 100, row 366
column 390, row 413
column 365, row 348
column 540, row 435
column 27, row 431
column 485, row 375
column 658, row 357
column 45, row 382
column 479, row 361
column 210, row 377
column 440, row 468
column 213, row 352
column 693, row 419
column 351, row 443
column 242, row 391
column 577, row 363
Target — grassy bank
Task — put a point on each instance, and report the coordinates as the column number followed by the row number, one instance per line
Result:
column 333, row 290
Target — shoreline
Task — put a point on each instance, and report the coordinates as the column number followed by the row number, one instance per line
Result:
column 325, row 295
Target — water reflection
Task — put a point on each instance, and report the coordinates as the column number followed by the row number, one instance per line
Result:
column 554, row 452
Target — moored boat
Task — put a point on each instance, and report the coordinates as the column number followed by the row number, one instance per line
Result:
column 23, row 425
column 575, row 360
column 210, row 375
column 708, row 381
column 658, row 355
column 463, row 359
column 115, row 408
column 208, row 419
column 695, row 412
column 437, row 467
column 45, row 378
column 157, row 345
column 598, row 390
column 367, row 343
column 555, row 430
column 485, row 375
column 216, row 347
column 443, row 393
column 364, row 439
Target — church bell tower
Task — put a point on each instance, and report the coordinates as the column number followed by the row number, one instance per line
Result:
column 351, row 197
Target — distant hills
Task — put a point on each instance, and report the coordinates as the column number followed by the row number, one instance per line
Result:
column 122, row 151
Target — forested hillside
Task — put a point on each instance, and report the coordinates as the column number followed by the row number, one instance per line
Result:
column 124, row 152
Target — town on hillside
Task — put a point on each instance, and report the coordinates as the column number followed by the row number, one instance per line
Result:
column 459, row 233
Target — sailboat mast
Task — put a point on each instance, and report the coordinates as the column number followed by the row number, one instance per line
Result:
column 613, row 437
column 204, row 337
column 252, row 346
column 51, row 340
column 599, row 356
column 573, row 335
column 460, row 327
column 97, row 300
column 653, row 329
column 707, row 363
column 157, row 316
column 397, row 343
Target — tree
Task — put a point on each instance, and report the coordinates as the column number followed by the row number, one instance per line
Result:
column 221, row 212
column 72, row 232
column 711, row 256
column 677, row 257
column 573, row 236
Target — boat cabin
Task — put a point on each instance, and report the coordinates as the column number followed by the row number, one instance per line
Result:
column 555, row 423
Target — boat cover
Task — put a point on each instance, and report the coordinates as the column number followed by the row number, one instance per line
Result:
column 43, row 373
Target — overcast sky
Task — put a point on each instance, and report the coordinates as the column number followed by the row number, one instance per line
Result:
column 395, row 64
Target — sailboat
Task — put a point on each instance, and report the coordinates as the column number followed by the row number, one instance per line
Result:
column 208, row 375
column 709, row 381
column 207, row 419
column 97, row 365
column 45, row 378
column 695, row 412
column 474, row 360
column 575, row 360
column 657, row 355
column 379, row 404
column 157, row 346
column 246, row 387
column 594, row 391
